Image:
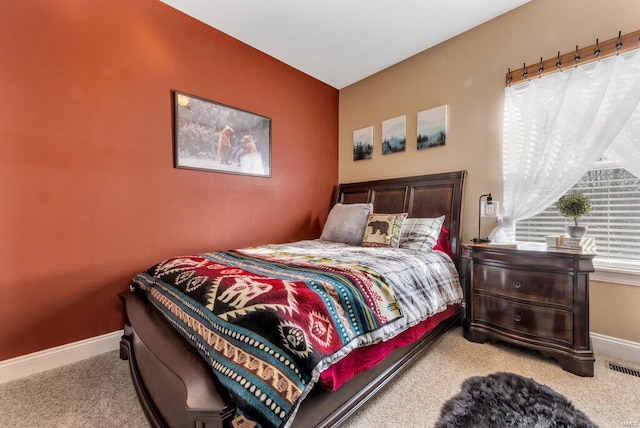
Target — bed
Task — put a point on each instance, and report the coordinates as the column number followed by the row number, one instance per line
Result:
column 172, row 370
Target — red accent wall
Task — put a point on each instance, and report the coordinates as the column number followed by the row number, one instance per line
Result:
column 88, row 192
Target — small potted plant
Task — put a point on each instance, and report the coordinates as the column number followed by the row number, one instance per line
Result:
column 574, row 205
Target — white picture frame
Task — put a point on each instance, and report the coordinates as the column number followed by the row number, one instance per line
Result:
column 394, row 135
column 432, row 128
column 363, row 143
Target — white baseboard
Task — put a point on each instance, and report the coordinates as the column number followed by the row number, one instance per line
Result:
column 37, row 362
column 621, row 349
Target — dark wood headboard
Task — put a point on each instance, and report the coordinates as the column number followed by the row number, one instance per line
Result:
column 420, row 196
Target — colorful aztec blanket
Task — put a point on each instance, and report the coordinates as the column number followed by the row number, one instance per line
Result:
column 265, row 322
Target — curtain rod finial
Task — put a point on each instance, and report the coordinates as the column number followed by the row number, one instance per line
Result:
column 619, row 43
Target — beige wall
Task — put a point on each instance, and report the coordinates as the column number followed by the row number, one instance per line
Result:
column 615, row 310
column 467, row 73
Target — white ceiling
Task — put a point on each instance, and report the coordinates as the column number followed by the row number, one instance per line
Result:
column 342, row 41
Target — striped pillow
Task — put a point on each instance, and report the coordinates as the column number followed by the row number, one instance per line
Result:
column 420, row 233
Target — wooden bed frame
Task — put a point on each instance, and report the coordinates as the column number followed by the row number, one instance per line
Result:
column 175, row 386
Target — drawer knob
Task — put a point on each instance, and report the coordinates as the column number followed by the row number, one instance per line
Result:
column 517, row 318
column 517, row 284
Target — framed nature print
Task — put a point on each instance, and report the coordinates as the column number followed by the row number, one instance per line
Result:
column 394, row 135
column 210, row 136
column 432, row 127
column 363, row 143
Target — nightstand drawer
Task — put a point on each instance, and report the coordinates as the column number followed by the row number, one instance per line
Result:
column 544, row 323
column 534, row 286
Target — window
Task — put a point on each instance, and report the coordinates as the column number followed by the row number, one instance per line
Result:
column 554, row 128
column 614, row 220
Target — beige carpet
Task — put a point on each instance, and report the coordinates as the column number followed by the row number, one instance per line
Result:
column 98, row 392
column 609, row 399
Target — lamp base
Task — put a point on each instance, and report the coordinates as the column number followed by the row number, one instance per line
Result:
column 481, row 240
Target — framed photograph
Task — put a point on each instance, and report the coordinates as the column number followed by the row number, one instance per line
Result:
column 432, row 127
column 215, row 137
column 363, row 143
column 394, row 135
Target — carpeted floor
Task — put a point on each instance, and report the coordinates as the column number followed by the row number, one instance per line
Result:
column 98, row 392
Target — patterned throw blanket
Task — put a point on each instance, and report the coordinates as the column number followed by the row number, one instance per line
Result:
column 266, row 320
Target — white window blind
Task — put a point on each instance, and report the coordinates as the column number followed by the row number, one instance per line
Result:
column 614, row 220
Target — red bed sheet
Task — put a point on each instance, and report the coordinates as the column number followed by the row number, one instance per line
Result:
column 362, row 359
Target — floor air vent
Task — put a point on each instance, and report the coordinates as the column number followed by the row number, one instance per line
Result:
column 623, row 369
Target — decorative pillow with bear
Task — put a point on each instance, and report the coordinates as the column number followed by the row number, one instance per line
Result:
column 421, row 233
column 383, row 230
column 346, row 223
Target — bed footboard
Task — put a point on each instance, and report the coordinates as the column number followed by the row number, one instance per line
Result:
column 174, row 385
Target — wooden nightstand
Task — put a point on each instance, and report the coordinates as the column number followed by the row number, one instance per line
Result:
column 535, row 299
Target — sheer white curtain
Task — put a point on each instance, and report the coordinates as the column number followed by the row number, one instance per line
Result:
column 625, row 149
column 557, row 126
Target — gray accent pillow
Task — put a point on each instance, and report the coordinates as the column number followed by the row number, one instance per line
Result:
column 346, row 223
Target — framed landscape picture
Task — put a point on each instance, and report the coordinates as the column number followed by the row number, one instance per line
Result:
column 210, row 136
column 363, row 143
column 432, row 127
column 394, row 135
